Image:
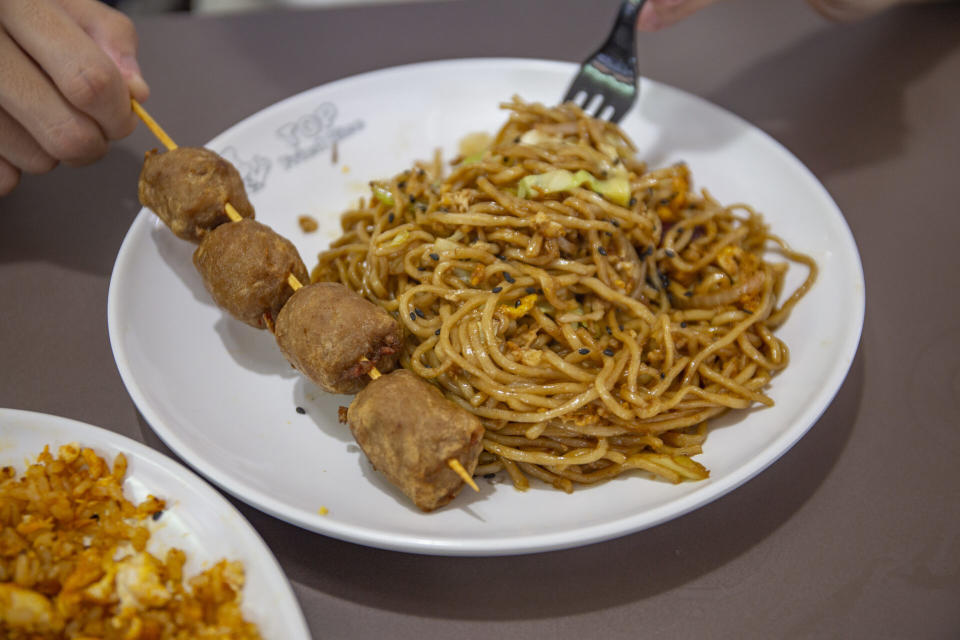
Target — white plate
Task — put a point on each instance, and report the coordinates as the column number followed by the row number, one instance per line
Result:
column 197, row 519
column 221, row 395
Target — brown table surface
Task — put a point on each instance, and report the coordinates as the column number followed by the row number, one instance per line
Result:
column 854, row 533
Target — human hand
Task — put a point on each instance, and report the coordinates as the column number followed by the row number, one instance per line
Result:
column 657, row 14
column 69, row 70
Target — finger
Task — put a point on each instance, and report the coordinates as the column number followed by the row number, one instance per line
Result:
column 9, row 177
column 19, row 148
column 81, row 71
column 657, row 14
column 849, row 10
column 31, row 99
column 648, row 20
column 116, row 35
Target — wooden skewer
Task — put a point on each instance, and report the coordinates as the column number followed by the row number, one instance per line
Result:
column 454, row 464
column 292, row 280
column 374, row 373
column 232, row 213
column 155, row 128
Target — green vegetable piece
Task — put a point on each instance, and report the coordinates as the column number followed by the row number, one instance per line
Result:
column 616, row 189
column 382, row 194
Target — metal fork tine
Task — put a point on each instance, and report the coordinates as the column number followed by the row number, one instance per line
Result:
column 575, row 91
column 611, row 71
column 618, row 113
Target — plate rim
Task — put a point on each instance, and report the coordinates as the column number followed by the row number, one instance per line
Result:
column 712, row 489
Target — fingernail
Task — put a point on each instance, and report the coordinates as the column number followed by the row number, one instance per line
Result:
column 139, row 88
column 131, row 73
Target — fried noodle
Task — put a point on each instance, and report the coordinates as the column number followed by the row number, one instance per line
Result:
column 594, row 313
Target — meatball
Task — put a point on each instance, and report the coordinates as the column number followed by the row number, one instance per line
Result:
column 245, row 266
column 409, row 431
column 188, row 188
column 335, row 337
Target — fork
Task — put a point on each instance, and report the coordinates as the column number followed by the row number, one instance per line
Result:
column 608, row 78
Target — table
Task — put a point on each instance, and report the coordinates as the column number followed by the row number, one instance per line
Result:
column 854, row 533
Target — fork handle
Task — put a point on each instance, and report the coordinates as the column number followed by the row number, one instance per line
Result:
column 622, row 37
column 632, row 5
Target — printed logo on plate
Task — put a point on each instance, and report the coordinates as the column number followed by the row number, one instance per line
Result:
column 313, row 133
column 253, row 171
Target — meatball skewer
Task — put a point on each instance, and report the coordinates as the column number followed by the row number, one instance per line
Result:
column 449, row 430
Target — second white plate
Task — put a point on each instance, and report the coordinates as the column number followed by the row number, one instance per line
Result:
column 221, row 395
column 197, row 519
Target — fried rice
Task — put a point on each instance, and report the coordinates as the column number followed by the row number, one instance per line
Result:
column 74, row 561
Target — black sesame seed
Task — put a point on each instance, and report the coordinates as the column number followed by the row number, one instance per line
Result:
column 601, row 251
column 413, row 316
column 301, row 410
column 633, row 202
column 530, row 290
column 412, row 199
column 497, row 289
column 508, row 277
column 609, row 332
column 437, row 332
column 502, row 257
column 679, row 229
column 583, row 351
column 683, row 325
column 435, row 256
column 615, row 223
column 390, row 218
column 662, row 375
column 402, row 184
column 688, row 294
column 418, row 312
column 95, row 516
column 421, row 268
column 157, row 515
column 518, row 302
column 608, row 352
column 671, row 253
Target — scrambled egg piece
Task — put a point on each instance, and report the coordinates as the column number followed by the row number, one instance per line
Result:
column 138, row 583
column 520, row 309
column 27, row 610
